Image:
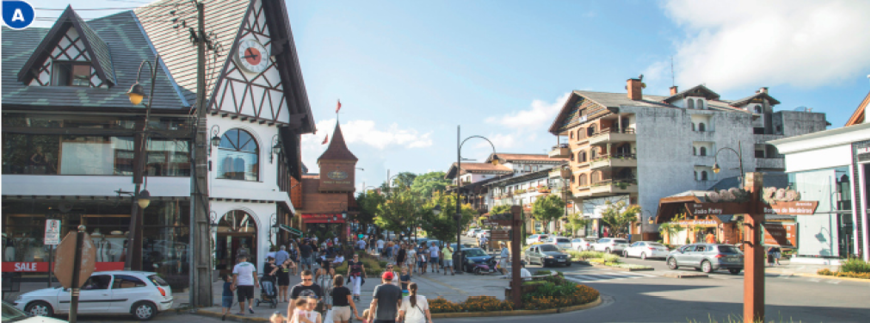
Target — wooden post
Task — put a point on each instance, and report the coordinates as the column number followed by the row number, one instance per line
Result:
column 516, row 264
column 753, row 279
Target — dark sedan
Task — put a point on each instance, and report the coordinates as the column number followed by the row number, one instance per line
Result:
column 546, row 254
column 475, row 256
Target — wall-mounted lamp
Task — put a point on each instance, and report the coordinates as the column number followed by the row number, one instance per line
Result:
column 215, row 139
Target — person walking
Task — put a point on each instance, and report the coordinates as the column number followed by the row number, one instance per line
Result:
column 380, row 244
column 433, row 257
column 227, row 295
column 447, row 255
column 306, row 253
column 281, row 255
column 342, row 302
column 387, row 299
column 710, row 238
column 356, row 271
column 483, row 244
column 421, row 259
column 400, row 256
column 411, row 259
column 244, row 281
column 284, row 279
column 361, row 244
column 306, row 289
column 414, row 308
column 504, row 258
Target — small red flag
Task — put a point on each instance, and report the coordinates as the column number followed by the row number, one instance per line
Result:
column 325, row 140
column 338, row 107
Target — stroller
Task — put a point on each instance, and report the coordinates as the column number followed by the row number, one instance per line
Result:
column 268, row 292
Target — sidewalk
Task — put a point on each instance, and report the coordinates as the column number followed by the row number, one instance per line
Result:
column 432, row 285
column 787, row 268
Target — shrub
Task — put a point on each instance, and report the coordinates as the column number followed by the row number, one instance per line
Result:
column 579, row 294
column 543, row 272
column 611, row 258
column 586, row 254
column 827, row 272
column 855, row 265
column 472, row 304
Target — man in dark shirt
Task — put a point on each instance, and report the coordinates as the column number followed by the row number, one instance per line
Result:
column 305, row 253
column 386, row 302
column 307, row 289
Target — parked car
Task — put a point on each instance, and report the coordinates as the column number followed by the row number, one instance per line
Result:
column 546, row 254
column 582, row 244
column 560, row 242
column 610, row 245
column 143, row 294
column 473, row 232
column 486, row 233
column 707, row 257
column 536, row 238
column 12, row 314
column 646, row 249
column 475, row 256
column 428, row 243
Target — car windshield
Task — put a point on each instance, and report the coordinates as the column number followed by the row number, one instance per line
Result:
column 620, row 240
column 12, row 314
column 656, row 244
column 157, row 280
column 549, row 247
column 728, row 249
column 474, row 253
column 564, row 240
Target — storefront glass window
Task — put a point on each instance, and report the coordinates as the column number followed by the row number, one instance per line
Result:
column 238, row 156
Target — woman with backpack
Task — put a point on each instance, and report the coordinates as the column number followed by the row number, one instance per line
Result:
column 415, row 308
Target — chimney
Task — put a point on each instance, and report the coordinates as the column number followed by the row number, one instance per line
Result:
column 762, row 90
column 635, row 91
column 674, row 90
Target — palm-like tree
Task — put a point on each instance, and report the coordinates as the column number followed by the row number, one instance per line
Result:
column 670, row 230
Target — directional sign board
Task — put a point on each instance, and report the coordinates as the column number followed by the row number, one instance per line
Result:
column 782, row 208
column 500, row 235
column 792, row 208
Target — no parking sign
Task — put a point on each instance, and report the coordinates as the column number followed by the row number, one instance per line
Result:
column 17, row 14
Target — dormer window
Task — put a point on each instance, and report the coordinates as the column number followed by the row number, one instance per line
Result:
column 691, row 103
column 700, row 104
column 758, row 109
column 71, row 74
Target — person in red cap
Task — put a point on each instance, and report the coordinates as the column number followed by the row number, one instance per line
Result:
column 386, row 302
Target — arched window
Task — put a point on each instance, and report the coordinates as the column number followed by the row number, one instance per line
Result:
column 693, row 126
column 702, row 127
column 238, row 156
column 696, row 175
column 581, row 156
column 572, row 157
column 703, row 151
column 703, row 175
column 691, row 103
column 581, row 134
column 581, row 180
column 758, row 109
column 596, row 177
column 591, row 130
column 694, row 151
column 593, row 153
column 700, row 104
column 572, row 134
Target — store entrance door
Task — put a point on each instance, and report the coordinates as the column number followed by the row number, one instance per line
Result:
column 236, row 235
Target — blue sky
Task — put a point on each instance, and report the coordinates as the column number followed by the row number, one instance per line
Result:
column 409, row 72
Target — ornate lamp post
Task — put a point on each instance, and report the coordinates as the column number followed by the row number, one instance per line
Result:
column 458, row 215
column 739, row 153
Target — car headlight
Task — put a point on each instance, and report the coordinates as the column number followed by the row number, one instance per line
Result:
column 19, row 298
column 549, row 257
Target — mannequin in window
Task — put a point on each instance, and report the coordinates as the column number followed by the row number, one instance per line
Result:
column 239, row 168
column 9, row 250
column 227, row 167
column 38, row 161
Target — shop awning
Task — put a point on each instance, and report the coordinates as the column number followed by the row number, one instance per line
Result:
column 290, row 230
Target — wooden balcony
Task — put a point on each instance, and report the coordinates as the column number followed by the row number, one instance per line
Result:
column 611, row 135
column 608, row 188
column 560, row 151
column 617, row 160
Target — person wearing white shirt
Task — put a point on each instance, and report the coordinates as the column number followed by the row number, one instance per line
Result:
column 415, row 308
column 361, row 244
column 380, row 244
column 525, row 274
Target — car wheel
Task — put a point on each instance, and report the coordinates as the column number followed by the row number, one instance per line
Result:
column 672, row 263
column 568, row 264
column 607, row 250
column 625, row 254
column 477, row 271
column 643, row 256
column 39, row 309
column 144, row 311
column 734, row 271
column 706, row 267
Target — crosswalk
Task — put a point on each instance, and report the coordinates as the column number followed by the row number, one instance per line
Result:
column 594, row 276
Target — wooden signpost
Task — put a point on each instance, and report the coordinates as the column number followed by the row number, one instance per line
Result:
column 755, row 209
column 74, row 264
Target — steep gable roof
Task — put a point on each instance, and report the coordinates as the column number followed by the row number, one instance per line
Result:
column 96, row 48
column 759, row 95
column 337, row 149
column 126, row 41
column 858, row 116
column 699, row 89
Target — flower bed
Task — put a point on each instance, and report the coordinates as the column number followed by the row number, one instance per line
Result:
column 826, row 272
column 472, row 304
column 555, row 292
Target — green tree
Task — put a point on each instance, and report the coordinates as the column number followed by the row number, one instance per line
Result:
column 398, row 211
column 548, row 208
column 368, row 202
column 500, row 209
column 443, row 225
column 427, row 184
column 619, row 215
column 404, row 179
column 576, row 222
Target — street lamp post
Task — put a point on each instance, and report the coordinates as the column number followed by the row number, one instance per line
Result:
column 739, row 153
column 273, row 227
column 458, row 215
column 141, row 198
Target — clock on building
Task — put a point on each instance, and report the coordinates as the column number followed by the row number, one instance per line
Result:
column 252, row 56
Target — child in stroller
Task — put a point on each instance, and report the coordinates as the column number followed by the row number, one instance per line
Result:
column 268, row 284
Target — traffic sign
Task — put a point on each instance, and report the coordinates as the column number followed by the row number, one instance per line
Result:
column 65, row 260
column 52, row 232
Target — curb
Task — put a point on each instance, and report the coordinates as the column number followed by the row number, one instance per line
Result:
column 832, row 277
column 595, row 303
column 589, row 305
column 622, row 269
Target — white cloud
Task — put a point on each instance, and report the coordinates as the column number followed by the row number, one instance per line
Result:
column 739, row 43
column 540, row 114
column 361, row 132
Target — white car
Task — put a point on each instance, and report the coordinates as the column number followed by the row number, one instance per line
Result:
column 561, row 242
column 12, row 314
column 486, row 233
column 610, row 245
column 646, row 249
column 536, row 238
column 582, row 244
column 473, row 232
column 143, row 294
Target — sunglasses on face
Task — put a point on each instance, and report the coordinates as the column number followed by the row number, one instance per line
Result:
column 307, row 279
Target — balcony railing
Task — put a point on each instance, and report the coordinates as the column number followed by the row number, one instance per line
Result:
column 609, row 135
column 615, row 160
column 560, row 151
column 609, row 187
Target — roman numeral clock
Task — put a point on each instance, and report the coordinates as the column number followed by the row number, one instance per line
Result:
column 252, row 56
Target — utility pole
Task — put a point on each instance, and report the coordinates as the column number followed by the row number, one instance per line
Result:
column 200, row 251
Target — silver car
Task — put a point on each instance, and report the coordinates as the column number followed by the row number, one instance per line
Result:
column 610, row 245
column 707, row 257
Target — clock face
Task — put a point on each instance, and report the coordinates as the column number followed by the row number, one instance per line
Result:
column 252, row 56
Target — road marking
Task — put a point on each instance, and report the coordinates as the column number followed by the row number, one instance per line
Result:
column 835, row 282
column 815, row 280
column 600, row 276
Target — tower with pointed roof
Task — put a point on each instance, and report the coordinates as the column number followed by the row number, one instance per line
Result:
column 337, row 165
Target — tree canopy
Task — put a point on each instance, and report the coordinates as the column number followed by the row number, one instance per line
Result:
column 404, row 179
column 443, row 225
column 548, row 208
column 425, row 185
column 619, row 215
column 398, row 211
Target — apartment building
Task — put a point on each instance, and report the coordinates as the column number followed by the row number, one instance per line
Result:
column 639, row 148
